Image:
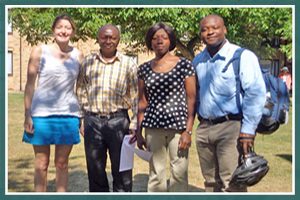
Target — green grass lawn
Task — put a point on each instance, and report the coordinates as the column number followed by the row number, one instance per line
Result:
column 277, row 148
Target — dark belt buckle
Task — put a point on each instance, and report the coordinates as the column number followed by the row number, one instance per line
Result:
column 219, row 120
column 104, row 116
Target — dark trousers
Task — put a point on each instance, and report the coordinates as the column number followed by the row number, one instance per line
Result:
column 101, row 135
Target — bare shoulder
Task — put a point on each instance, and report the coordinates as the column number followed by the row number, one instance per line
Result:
column 33, row 63
column 35, row 56
column 36, row 52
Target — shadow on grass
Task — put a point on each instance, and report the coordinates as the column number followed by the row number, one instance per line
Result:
column 18, row 185
column 78, row 179
column 21, row 163
column 78, row 182
column 77, row 157
column 140, row 182
column 195, row 189
column 15, row 182
column 287, row 157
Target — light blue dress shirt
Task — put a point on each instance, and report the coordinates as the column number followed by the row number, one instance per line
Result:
column 216, row 89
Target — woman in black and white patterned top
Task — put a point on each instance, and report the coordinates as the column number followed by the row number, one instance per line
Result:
column 167, row 93
column 166, row 100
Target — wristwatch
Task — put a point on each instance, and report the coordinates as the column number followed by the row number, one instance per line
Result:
column 189, row 132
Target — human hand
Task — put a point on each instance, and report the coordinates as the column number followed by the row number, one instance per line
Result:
column 81, row 130
column 185, row 141
column 28, row 125
column 141, row 142
column 246, row 141
column 133, row 136
column 132, row 132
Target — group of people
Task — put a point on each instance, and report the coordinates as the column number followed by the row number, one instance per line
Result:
column 164, row 95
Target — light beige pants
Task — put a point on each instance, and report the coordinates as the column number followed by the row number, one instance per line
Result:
column 218, row 154
column 160, row 141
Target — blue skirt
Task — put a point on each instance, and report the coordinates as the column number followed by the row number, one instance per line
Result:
column 60, row 130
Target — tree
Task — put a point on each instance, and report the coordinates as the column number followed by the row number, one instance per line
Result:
column 259, row 27
column 253, row 28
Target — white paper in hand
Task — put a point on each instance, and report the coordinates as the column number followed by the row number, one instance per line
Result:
column 127, row 154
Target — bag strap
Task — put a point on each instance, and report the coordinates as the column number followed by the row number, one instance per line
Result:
column 278, row 98
column 269, row 85
column 235, row 60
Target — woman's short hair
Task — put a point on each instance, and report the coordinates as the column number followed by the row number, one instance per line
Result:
column 155, row 27
column 64, row 16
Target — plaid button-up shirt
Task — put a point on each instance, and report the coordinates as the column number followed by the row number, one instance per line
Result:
column 105, row 87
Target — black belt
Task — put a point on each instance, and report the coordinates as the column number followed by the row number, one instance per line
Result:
column 122, row 113
column 218, row 120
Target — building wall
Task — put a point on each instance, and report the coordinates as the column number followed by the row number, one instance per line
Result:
column 13, row 80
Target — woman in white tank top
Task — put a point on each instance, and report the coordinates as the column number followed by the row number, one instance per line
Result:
column 52, row 112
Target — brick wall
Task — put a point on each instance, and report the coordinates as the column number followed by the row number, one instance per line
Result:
column 13, row 80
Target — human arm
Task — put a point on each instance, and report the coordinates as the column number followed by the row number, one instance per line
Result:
column 197, row 103
column 82, row 85
column 132, row 93
column 142, row 105
column 190, row 87
column 81, row 128
column 33, row 67
column 81, row 91
column 253, row 100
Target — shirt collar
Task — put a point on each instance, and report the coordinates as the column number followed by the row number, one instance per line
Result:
column 116, row 58
column 220, row 55
column 224, row 50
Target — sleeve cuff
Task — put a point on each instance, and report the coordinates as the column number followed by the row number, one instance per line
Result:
column 248, row 129
column 132, row 126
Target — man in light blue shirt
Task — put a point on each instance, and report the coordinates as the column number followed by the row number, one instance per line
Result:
column 223, row 132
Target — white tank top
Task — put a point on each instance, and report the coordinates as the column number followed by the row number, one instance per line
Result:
column 55, row 94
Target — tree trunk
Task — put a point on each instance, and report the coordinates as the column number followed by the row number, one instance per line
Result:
column 187, row 51
column 184, row 51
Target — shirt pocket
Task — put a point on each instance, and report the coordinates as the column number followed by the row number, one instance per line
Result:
column 118, row 85
column 225, row 84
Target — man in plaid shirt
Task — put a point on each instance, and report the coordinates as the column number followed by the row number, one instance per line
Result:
column 107, row 87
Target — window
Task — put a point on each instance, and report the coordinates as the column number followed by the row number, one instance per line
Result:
column 9, row 67
column 9, row 24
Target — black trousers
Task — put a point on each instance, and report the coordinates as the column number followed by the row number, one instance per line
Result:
column 101, row 135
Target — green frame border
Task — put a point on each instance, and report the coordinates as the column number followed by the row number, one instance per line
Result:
column 81, row 196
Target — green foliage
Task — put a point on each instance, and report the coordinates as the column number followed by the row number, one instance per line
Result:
column 253, row 28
